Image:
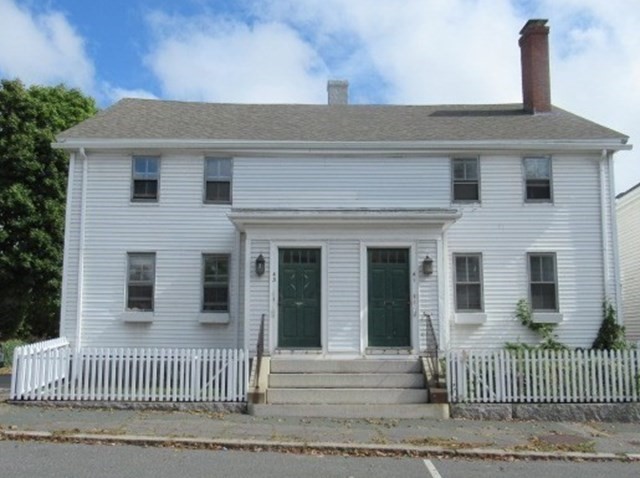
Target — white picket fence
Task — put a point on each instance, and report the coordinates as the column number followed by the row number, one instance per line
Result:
column 543, row 376
column 52, row 370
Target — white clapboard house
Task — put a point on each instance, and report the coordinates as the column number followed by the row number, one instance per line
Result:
column 628, row 216
column 323, row 232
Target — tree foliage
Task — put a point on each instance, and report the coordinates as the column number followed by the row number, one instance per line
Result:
column 32, row 201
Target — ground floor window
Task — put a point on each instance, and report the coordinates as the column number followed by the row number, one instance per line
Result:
column 141, row 272
column 468, row 281
column 215, row 283
column 543, row 289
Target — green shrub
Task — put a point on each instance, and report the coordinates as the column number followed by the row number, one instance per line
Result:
column 7, row 350
column 611, row 333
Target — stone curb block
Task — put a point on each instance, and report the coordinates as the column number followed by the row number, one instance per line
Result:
column 238, row 443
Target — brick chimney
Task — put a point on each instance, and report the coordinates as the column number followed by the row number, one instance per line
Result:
column 534, row 54
column 338, row 92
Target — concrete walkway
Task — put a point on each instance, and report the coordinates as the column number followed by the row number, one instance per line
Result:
column 427, row 437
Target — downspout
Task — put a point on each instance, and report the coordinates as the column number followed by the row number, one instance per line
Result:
column 604, row 229
column 614, row 239
column 81, row 246
column 610, row 233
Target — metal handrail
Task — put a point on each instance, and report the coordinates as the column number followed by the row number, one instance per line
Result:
column 432, row 347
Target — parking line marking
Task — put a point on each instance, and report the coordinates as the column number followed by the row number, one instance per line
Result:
column 432, row 469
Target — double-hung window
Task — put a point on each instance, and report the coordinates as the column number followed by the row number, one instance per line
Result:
column 466, row 179
column 537, row 177
column 215, row 283
column 543, row 282
column 145, row 178
column 468, row 281
column 141, row 274
column 218, row 180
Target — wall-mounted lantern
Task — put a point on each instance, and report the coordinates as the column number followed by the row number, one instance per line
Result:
column 260, row 265
column 427, row 266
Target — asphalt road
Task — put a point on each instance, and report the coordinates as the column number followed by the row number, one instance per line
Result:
column 54, row 460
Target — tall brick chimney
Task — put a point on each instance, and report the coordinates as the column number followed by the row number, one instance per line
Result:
column 534, row 54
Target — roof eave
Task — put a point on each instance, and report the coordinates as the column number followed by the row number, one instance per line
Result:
column 613, row 144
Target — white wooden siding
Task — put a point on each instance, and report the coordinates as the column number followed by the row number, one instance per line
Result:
column 341, row 182
column 628, row 212
column 428, row 294
column 259, row 294
column 344, row 327
column 504, row 228
column 179, row 228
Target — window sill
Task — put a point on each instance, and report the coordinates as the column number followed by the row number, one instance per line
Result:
column 546, row 317
column 213, row 317
column 470, row 318
column 135, row 316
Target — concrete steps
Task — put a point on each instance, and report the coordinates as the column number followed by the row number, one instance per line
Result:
column 346, row 382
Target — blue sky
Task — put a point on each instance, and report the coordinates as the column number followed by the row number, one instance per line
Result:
column 283, row 51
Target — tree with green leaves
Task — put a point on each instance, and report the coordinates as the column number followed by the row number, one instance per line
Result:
column 33, row 180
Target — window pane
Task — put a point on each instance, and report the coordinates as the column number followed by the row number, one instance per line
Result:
column 145, row 189
column 461, row 269
column 146, row 168
column 538, row 189
column 543, row 296
column 467, row 191
column 535, row 268
column 471, row 169
column 458, row 169
column 537, row 168
column 218, row 191
column 468, row 297
column 218, row 168
column 548, row 273
column 473, row 268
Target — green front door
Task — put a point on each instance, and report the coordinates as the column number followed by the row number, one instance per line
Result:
column 389, row 298
column 299, row 298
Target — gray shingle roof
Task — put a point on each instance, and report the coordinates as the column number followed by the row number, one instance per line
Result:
column 156, row 119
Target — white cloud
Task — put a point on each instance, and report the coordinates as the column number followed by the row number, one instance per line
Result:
column 212, row 59
column 42, row 48
column 115, row 93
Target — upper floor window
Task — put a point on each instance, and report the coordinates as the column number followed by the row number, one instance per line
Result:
column 537, row 176
column 145, row 178
column 215, row 282
column 543, row 288
column 466, row 179
column 141, row 275
column 468, row 282
column 218, row 180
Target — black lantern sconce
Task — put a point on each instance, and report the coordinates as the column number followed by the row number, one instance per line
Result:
column 260, row 265
column 427, row 266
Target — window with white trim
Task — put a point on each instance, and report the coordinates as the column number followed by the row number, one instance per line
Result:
column 465, row 179
column 468, row 282
column 215, row 283
column 145, row 178
column 543, row 282
column 537, row 178
column 218, row 172
column 141, row 275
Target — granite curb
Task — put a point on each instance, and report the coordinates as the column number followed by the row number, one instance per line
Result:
column 359, row 449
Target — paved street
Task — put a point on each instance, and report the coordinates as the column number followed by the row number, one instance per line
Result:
column 56, row 460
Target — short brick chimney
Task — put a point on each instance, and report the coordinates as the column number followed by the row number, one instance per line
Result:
column 338, row 92
column 534, row 54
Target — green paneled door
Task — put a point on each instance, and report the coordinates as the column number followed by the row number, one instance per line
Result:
column 299, row 298
column 389, row 294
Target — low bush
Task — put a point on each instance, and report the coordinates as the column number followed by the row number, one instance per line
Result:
column 7, row 350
